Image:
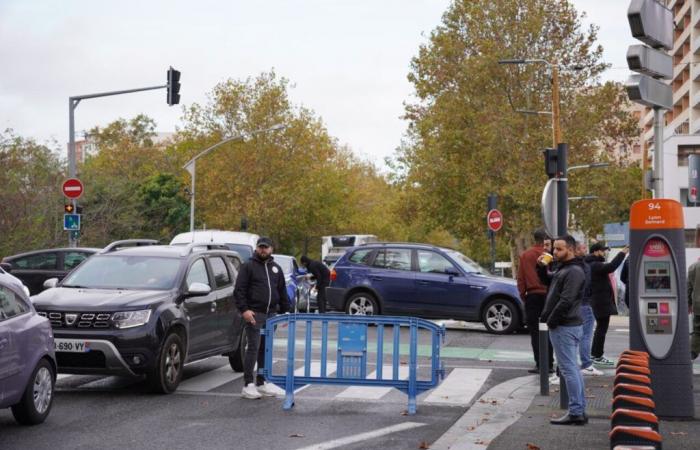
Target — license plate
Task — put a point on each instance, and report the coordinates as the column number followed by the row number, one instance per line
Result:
column 71, row 345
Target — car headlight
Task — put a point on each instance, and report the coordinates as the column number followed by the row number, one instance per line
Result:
column 128, row 319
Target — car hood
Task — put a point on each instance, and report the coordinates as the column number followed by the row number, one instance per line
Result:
column 60, row 298
column 505, row 280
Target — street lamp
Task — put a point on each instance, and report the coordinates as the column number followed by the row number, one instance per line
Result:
column 191, row 165
column 590, row 166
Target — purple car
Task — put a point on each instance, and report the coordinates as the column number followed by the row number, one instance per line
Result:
column 27, row 360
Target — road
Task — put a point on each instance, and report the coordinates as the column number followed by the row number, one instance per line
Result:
column 207, row 411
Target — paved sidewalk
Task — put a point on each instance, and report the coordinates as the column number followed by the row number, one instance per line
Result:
column 533, row 427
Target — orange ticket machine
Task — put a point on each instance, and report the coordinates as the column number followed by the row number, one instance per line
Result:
column 659, row 304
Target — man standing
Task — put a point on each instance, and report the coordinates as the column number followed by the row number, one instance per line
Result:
column 587, row 317
column 260, row 292
column 562, row 313
column 323, row 279
column 694, row 303
column 602, row 296
column 532, row 293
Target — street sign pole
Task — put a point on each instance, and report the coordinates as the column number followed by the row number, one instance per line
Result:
column 491, row 205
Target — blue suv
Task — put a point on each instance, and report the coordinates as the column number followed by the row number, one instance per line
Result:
column 422, row 280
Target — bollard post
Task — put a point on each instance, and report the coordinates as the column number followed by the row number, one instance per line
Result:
column 544, row 358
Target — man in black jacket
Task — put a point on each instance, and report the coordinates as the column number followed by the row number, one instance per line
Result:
column 260, row 293
column 562, row 313
column 602, row 296
column 323, row 279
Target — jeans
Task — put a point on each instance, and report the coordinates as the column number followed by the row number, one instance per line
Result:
column 601, row 329
column 566, row 341
column 534, row 304
column 255, row 349
column 585, row 349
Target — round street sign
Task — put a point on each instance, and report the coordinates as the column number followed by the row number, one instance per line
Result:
column 72, row 188
column 494, row 220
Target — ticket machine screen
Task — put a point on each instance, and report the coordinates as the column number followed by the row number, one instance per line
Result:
column 657, row 276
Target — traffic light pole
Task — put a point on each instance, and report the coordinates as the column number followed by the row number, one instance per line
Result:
column 658, row 153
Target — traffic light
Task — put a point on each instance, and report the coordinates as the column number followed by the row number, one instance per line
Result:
column 68, row 208
column 173, row 87
column 550, row 162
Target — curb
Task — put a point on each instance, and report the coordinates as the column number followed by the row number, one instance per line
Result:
column 489, row 416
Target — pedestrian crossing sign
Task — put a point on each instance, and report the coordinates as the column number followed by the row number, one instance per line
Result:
column 71, row 222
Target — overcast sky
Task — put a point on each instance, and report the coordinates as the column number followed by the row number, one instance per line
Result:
column 347, row 59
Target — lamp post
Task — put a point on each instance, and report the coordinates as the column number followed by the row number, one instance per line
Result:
column 191, row 165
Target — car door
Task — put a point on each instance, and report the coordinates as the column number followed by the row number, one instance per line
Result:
column 200, row 309
column 443, row 290
column 36, row 268
column 14, row 315
column 222, row 333
column 391, row 276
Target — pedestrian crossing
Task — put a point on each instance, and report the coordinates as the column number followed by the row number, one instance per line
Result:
column 215, row 377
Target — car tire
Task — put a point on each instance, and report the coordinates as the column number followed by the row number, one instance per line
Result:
column 167, row 372
column 362, row 304
column 37, row 399
column 235, row 358
column 501, row 316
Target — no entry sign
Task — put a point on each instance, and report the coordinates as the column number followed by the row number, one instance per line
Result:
column 72, row 188
column 494, row 220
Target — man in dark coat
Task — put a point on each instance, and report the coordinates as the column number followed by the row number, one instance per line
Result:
column 323, row 279
column 602, row 296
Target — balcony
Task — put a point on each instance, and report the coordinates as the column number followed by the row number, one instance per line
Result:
column 695, row 101
column 695, row 45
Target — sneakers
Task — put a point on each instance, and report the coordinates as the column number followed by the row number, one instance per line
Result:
column 270, row 390
column 591, row 372
column 250, row 392
column 554, row 380
column 603, row 361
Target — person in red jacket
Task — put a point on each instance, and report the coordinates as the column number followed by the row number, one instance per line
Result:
column 533, row 293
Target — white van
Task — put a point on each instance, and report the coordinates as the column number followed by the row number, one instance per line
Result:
column 239, row 241
column 333, row 247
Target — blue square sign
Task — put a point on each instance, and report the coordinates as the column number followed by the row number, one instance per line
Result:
column 71, row 222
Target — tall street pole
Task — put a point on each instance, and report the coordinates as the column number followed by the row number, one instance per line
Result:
column 556, row 130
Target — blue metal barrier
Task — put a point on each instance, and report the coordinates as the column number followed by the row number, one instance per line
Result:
column 352, row 356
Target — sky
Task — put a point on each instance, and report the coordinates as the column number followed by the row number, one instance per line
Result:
column 347, row 60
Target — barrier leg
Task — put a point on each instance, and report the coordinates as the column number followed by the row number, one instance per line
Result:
column 413, row 362
column 289, row 385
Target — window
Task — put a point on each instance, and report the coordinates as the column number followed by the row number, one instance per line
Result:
column 361, row 256
column 39, row 261
column 221, row 276
column 72, row 259
column 684, row 151
column 114, row 271
column 394, row 258
column 431, row 262
column 198, row 273
column 10, row 304
column 235, row 262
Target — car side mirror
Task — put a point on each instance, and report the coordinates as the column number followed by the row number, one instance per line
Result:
column 452, row 272
column 50, row 283
column 7, row 267
column 198, row 289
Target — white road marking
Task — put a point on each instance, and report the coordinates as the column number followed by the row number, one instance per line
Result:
column 210, row 380
column 315, row 371
column 460, row 387
column 335, row 443
column 622, row 330
column 371, row 392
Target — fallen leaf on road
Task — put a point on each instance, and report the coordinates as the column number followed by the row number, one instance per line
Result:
column 487, row 413
column 296, row 435
column 404, row 413
column 532, row 447
column 471, row 428
column 423, row 445
column 482, row 442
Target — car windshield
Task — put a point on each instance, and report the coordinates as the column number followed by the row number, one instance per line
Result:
column 245, row 251
column 125, row 272
column 286, row 263
column 465, row 263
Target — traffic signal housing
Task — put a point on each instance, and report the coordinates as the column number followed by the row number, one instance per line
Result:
column 173, row 87
column 550, row 162
column 69, row 208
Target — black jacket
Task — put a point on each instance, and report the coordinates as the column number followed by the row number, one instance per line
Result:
column 587, row 285
column 320, row 272
column 602, row 297
column 625, row 278
column 563, row 304
column 260, row 286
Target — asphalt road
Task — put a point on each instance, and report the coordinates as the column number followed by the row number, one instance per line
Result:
column 208, row 412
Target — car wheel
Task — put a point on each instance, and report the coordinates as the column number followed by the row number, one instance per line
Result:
column 501, row 316
column 362, row 304
column 37, row 399
column 235, row 358
column 167, row 373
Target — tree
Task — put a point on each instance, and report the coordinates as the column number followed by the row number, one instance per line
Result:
column 464, row 138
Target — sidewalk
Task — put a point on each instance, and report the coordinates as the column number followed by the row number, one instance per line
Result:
column 533, row 427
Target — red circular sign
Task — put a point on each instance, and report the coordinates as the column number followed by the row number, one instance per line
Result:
column 72, row 188
column 494, row 220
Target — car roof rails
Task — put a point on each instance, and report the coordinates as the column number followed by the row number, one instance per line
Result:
column 397, row 243
column 118, row 245
column 196, row 246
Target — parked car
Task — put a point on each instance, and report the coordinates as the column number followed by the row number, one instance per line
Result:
column 11, row 279
column 35, row 267
column 27, row 362
column 333, row 247
column 238, row 241
column 146, row 310
column 290, row 267
column 424, row 281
